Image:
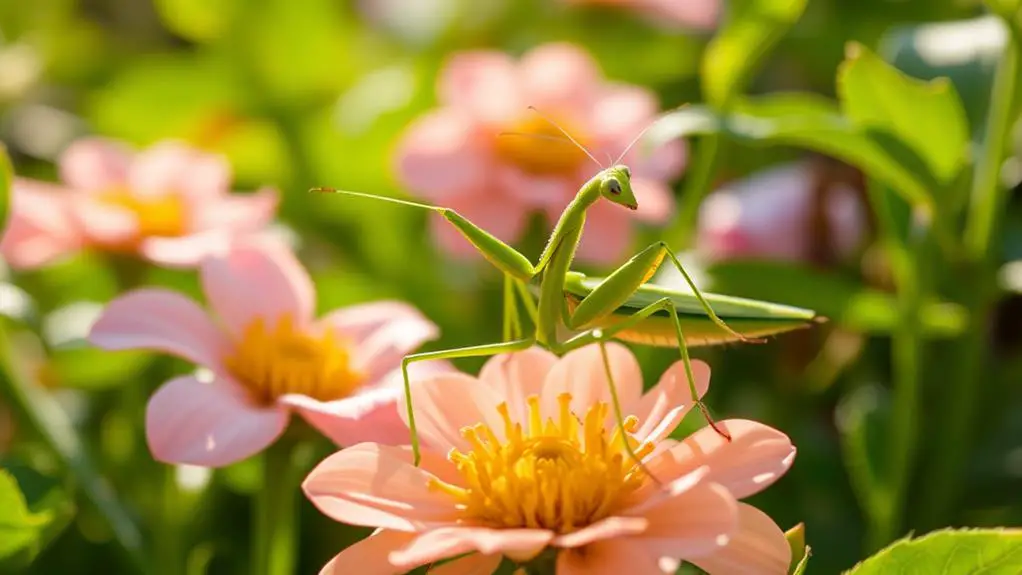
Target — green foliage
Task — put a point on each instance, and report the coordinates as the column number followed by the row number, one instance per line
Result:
column 30, row 520
column 749, row 31
column 950, row 552
column 6, row 174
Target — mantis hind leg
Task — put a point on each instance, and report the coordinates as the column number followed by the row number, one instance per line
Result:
column 605, row 333
column 473, row 351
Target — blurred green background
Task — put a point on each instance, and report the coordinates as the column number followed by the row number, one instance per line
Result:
column 316, row 92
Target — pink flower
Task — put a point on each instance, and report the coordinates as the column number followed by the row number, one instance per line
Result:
column 456, row 156
column 268, row 356
column 170, row 204
column 535, row 463
column 700, row 14
column 769, row 215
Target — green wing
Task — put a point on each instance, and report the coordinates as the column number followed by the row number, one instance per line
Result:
column 749, row 317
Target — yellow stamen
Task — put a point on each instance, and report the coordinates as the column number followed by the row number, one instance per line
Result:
column 276, row 361
column 538, row 148
column 556, row 476
column 162, row 216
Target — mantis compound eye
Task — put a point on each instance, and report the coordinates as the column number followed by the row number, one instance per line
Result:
column 614, row 187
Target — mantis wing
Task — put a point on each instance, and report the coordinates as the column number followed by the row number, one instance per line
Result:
column 749, row 317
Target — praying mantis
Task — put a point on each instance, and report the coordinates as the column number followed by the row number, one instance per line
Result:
column 569, row 310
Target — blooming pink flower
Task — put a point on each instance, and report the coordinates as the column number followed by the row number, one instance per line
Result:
column 768, row 216
column 268, row 355
column 535, row 462
column 171, row 204
column 456, row 156
column 700, row 14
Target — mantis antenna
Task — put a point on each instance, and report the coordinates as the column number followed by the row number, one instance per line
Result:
column 567, row 135
column 634, row 141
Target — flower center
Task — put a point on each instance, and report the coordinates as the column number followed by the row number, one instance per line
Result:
column 538, row 148
column 275, row 362
column 157, row 216
column 559, row 475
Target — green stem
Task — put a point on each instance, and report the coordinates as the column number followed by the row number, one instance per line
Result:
column 40, row 412
column 273, row 549
column 697, row 185
column 954, row 434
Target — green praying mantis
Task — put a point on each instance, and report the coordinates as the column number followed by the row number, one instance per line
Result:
column 569, row 310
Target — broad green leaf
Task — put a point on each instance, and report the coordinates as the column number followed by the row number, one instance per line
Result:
column 6, row 175
column 840, row 299
column 926, row 117
column 750, row 30
column 19, row 527
column 949, row 552
column 44, row 496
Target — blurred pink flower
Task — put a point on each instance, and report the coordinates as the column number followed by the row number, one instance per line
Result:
column 171, row 204
column 700, row 14
column 534, row 460
column 769, row 215
column 268, row 356
column 456, row 157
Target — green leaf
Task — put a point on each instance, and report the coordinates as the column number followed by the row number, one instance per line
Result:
column 927, row 117
column 19, row 527
column 750, row 30
column 6, row 175
column 45, row 496
column 200, row 20
column 796, row 537
column 947, row 552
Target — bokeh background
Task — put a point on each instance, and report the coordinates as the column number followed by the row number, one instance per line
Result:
column 303, row 93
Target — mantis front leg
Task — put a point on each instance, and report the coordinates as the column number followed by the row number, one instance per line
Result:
column 473, row 351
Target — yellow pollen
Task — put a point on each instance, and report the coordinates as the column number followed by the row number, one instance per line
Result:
column 560, row 475
column 162, row 216
column 538, row 148
column 272, row 362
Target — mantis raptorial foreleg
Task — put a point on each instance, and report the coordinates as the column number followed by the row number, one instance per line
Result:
column 607, row 333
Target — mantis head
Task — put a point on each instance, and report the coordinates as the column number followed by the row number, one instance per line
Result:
column 616, row 186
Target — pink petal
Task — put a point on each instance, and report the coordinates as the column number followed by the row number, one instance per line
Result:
column 757, row 456
column 670, row 393
column 549, row 193
column 416, row 371
column 656, row 200
column 582, row 374
column 365, row 416
column 175, row 168
column 484, row 84
column 693, row 521
column 369, row 556
column 664, row 163
column 158, row 319
column 701, row 14
column 609, row 528
column 208, row 424
column 502, row 217
column 609, row 557
column 95, row 164
column 437, row 544
column 516, row 376
column 40, row 228
column 236, row 212
column 446, row 403
column 258, row 279
column 377, row 486
column 474, row 564
column 620, row 113
column 380, row 351
column 560, row 78
column 442, row 155
column 104, row 224
column 757, row 546
column 185, row 251
column 607, row 238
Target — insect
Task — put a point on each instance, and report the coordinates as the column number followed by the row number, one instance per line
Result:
column 569, row 310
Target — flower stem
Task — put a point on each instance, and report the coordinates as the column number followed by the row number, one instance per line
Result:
column 697, row 184
column 273, row 550
column 954, row 435
column 39, row 411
